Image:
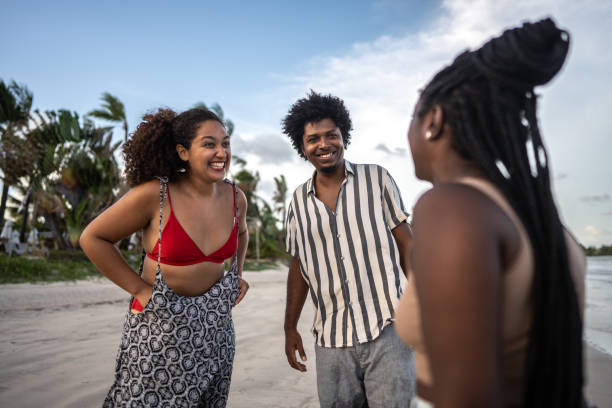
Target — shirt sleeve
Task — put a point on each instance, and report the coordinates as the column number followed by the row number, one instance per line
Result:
column 290, row 232
column 394, row 210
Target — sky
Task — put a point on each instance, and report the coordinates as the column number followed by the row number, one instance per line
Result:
column 257, row 58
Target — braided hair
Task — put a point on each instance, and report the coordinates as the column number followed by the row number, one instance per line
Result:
column 151, row 151
column 488, row 101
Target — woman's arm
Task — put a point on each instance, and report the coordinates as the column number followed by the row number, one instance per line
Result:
column 457, row 266
column 131, row 213
column 243, row 243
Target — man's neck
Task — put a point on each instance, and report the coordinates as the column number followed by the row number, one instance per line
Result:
column 332, row 179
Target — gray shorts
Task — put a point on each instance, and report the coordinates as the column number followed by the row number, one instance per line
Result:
column 379, row 373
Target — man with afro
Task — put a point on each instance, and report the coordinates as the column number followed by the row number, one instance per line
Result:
column 349, row 239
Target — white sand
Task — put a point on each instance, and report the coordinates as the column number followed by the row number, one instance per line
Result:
column 59, row 342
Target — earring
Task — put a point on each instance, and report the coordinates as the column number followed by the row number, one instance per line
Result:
column 181, row 170
column 428, row 135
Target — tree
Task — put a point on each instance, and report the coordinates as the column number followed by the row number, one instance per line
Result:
column 229, row 125
column 112, row 110
column 280, row 199
column 260, row 216
column 15, row 105
column 75, row 173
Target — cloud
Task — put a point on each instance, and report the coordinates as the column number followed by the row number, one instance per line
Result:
column 607, row 213
column 398, row 151
column 591, row 230
column 602, row 198
column 379, row 82
column 596, row 235
column 265, row 148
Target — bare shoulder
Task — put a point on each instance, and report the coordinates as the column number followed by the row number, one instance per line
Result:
column 460, row 213
column 453, row 200
column 146, row 194
column 242, row 201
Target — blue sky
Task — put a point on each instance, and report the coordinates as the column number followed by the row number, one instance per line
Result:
column 256, row 58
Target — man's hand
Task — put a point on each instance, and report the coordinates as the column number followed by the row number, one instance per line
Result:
column 243, row 286
column 293, row 343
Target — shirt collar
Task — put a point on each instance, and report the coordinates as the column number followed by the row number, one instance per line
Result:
column 348, row 169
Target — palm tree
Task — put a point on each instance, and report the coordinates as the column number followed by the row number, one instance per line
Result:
column 280, row 198
column 215, row 107
column 113, row 111
column 73, row 173
column 280, row 195
column 15, row 105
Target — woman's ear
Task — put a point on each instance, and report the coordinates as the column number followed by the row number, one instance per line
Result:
column 435, row 124
column 182, row 152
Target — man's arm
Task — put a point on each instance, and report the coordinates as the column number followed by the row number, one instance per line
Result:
column 297, row 289
column 403, row 239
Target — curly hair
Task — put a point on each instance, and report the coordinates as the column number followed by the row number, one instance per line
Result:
column 151, row 151
column 315, row 108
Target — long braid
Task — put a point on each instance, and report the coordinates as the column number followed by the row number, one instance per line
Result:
column 488, row 101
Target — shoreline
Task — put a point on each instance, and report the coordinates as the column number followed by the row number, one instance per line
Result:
column 60, row 341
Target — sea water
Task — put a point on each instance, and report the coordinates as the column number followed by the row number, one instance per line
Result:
column 598, row 311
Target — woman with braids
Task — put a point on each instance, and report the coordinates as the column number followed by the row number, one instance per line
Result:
column 177, row 346
column 494, row 311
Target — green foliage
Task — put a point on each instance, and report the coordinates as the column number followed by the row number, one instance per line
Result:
column 261, row 218
column 604, row 250
column 254, row 266
column 58, row 266
column 216, row 108
column 74, row 265
column 63, row 255
column 66, row 167
column 112, row 110
column 22, row 269
column 15, row 104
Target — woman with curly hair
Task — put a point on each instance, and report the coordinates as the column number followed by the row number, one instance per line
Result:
column 178, row 344
column 494, row 311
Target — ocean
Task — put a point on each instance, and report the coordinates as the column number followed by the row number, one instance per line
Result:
column 598, row 311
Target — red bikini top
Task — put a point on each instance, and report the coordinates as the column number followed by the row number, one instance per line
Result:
column 179, row 248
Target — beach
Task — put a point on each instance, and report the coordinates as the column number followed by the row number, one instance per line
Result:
column 59, row 343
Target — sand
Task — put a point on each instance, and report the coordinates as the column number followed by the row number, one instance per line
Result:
column 59, row 343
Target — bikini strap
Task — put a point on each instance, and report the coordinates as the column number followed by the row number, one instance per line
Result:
column 235, row 210
column 142, row 259
column 163, row 193
column 235, row 201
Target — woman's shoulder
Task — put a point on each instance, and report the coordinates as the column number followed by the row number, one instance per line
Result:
column 460, row 208
column 455, row 198
column 148, row 188
column 146, row 194
column 241, row 197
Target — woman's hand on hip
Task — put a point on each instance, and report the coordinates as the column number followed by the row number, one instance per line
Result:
column 243, row 287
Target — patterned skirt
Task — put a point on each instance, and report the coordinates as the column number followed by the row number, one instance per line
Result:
column 179, row 351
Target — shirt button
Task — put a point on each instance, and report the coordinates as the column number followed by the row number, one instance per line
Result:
column 342, row 258
column 337, row 235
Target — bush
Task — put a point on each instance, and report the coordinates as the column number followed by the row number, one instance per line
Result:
column 20, row 269
column 67, row 255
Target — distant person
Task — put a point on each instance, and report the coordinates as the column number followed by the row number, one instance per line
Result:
column 494, row 311
column 177, row 347
column 347, row 233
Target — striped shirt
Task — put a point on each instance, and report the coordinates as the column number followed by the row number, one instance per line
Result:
column 349, row 257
